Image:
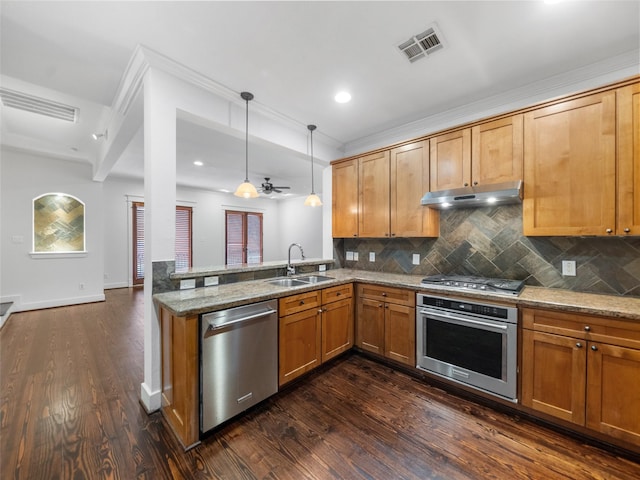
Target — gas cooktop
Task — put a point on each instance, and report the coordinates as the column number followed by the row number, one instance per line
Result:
column 463, row 282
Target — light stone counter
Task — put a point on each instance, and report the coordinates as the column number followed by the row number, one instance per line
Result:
column 201, row 300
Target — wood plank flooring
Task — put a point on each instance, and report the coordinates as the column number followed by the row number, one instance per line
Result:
column 70, row 382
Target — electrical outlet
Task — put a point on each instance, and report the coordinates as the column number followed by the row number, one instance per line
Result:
column 349, row 256
column 416, row 259
column 569, row 268
column 372, row 256
column 188, row 283
column 322, row 268
column 81, row 286
column 355, row 256
column 210, row 281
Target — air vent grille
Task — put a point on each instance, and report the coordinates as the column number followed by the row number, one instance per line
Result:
column 421, row 45
column 42, row 106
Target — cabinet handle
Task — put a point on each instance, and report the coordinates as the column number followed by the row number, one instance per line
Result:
column 301, row 302
column 587, row 328
column 466, row 184
column 579, row 345
column 384, row 294
column 393, row 234
column 386, row 234
column 609, row 230
column 355, row 234
column 338, row 294
column 320, row 310
column 386, row 306
column 627, row 230
column 380, row 305
column 475, row 183
column 594, row 348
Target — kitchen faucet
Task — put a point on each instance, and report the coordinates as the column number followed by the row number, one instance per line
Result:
column 291, row 270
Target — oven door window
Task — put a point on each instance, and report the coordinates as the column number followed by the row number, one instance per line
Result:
column 472, row 348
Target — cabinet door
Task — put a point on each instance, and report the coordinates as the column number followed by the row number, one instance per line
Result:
column 370, row 326
column 554, row 375
column 337, row 328
column 373, row 200
column 450, row 160
column 629, row 160
column 497, row 151
column 570, row 167
column 613, row 392
column 400, row 334
column 344, row 199
column 299, row 344
column 409, row 182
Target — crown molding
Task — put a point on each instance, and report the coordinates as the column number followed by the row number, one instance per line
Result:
column 590, row 76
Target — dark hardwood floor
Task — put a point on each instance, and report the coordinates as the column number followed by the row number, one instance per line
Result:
column 70, row 380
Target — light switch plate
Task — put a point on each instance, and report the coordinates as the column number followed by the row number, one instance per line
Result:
column 569, row 268
column 416, row 259
column 322, row 268
column 372, row 256
column 188, row 283
column 355, row 256
column 209, row 281
column 349, row 256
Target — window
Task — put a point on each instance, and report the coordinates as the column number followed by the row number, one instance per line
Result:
column 244, row 237
column 183, row 240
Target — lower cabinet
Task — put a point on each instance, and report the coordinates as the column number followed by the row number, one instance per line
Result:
column 584, row 370
column 314, row 327
column 386, row 322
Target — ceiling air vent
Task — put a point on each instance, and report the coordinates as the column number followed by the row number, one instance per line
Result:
column 42, row 106
column 421, row 45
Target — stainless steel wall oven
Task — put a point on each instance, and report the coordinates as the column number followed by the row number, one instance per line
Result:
column 470, row 342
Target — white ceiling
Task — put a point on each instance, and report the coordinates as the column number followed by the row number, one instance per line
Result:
column 293, row 56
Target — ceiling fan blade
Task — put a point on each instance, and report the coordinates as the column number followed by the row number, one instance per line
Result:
column 286, row 188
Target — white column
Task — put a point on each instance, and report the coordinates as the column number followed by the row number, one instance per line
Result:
column 159, row 215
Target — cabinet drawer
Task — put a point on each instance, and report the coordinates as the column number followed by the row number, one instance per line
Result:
column 340, row 292
column 399, row 296
column 298, row 303
column 625, row 333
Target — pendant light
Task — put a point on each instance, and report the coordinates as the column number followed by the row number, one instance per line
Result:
column 312, row 200
column 246, row 189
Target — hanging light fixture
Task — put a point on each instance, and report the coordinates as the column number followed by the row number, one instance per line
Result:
column 246, row 189
column 312, row 200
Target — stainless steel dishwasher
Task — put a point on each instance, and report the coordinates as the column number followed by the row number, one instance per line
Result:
column 239, row 360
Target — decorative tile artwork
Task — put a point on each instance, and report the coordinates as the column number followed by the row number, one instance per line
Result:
column 489, row 242
column 58, row 223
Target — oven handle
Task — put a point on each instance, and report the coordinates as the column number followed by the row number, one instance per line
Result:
column 460, row 319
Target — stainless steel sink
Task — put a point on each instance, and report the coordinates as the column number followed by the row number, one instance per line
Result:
column 287, row 282
column 315, row 278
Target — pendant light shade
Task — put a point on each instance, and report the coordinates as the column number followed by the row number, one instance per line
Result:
column 246, row 189
column 312, row 200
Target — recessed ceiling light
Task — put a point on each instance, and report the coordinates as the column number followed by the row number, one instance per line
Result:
column 342, row 97
column 198, row 163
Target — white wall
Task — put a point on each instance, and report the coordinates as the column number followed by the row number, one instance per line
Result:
column 47, row 282
column 300, row 224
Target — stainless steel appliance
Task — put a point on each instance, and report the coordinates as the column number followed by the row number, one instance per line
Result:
column 239, row 360
column 500, row 286
column 475, row 196
column 470, row 342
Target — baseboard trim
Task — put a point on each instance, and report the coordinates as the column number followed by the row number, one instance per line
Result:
column 63, row 302
column 150, row 400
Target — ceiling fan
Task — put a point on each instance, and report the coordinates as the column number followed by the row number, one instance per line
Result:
column 268, row 187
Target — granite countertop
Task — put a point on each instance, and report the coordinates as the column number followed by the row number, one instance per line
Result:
column 207, row 299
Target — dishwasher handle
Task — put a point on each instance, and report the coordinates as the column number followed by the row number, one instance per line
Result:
column 263, row 313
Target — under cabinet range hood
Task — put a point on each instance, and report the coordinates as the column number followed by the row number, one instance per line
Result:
column 476, row 196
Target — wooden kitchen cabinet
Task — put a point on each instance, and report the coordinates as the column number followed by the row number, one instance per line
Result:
column 570, row 167
column 180, row 400
column 344, row 199
column 450, row 160
column 389, row 186
column 409, row 181
column 497, row 151
column 583, row 369
column 628, row 135
column 373, row 199
column 314, row 327
column 386, row 322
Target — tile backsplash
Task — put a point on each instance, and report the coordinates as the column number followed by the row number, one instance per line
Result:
column 489, row 242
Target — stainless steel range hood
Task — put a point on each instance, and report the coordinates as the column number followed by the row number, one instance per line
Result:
column 477, row 196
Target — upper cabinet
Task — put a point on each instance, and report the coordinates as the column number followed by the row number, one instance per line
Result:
column 570, row 167
column 628, row 160
column 484, row 154
column 497, row 151
column 344, row 202
column 378, row 195
column 451, row 160
column 409, row 181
